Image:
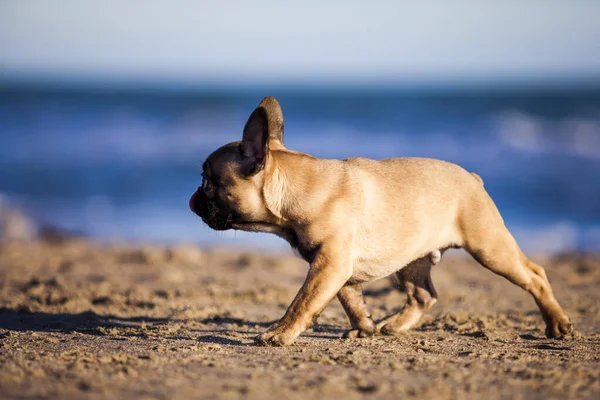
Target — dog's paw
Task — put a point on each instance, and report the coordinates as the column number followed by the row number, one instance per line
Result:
column 264, row 340
column 391, row 329
column 358, row 333
column 276, row 338
column 559, row 329
column 363, row 328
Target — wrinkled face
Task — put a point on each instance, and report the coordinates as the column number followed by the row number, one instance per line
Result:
column 228, row 197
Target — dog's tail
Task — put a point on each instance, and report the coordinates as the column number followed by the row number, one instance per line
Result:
column 477, row 177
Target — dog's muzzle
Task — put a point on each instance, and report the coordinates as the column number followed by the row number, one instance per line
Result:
column 207, row 209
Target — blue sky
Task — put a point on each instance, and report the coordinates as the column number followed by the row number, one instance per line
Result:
column 257, row 42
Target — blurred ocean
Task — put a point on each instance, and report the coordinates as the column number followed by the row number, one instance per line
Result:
column 123, row 165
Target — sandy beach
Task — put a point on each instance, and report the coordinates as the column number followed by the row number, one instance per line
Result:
column 83, row 320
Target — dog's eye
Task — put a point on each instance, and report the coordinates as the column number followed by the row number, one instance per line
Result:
column 204, row 182
column 207, row 184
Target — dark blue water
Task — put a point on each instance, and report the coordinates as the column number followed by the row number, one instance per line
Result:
column 124, row 164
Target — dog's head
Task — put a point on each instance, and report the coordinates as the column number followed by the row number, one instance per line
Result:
column 233, row 176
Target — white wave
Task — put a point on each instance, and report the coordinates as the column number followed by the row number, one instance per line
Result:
column 520, row 131
column 557, row 237
column 527, row 133
column 126, row 135
column 344, row 141
column 585, row 137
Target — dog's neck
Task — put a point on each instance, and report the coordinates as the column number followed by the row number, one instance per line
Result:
column 289, row 185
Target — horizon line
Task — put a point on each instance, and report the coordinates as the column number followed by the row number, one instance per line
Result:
column 51, row 82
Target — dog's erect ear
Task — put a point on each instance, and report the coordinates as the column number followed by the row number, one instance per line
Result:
column 275, row 118
column 255, row 141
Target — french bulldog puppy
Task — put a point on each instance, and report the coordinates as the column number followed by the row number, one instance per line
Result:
column 356, row 220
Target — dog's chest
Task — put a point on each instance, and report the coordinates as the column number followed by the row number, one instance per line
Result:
column 305, row 253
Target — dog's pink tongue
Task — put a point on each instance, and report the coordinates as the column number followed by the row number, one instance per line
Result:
column 192, row 201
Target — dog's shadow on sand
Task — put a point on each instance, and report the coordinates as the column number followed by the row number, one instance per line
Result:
column 222, row 330
column 84, row 322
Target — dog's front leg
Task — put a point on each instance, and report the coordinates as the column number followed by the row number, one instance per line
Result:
column 351, row 297
column 329, row 271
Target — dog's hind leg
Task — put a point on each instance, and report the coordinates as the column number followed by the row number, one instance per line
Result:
column 415, row 279
column 352, row 300
column 499, row 252
column 488, row 240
